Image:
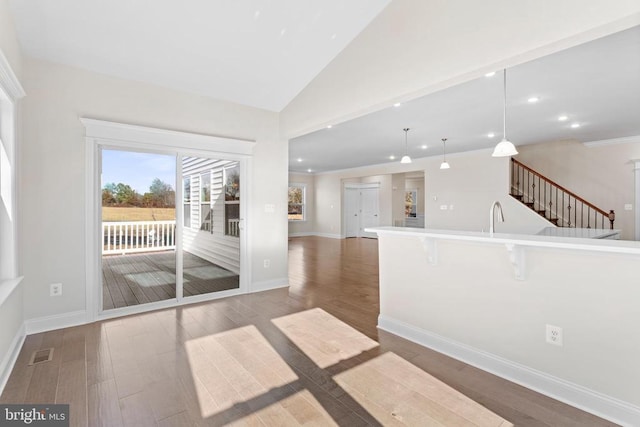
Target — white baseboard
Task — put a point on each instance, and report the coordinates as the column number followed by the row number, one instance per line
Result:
column 313, row 233
column 328, row 235
column 57, row 321
column 302, row 234
column 10, row 358
column 266, row 285
column 599, row 404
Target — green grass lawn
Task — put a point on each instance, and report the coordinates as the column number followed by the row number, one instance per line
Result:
column 111, row 214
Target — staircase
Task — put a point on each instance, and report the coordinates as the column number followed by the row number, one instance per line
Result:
column 558, row 205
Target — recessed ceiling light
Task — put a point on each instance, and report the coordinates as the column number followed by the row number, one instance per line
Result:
column 329, row 127
column 563, row 118
column 309, row 170
column 424, row 147
column 397, row 104
column 533, row 99
column 491, row 135
column 575, row 125
column 299, row 159
column 392, row 157
column 333, row 36
column 491, row 74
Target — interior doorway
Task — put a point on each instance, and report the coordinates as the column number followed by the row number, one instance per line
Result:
column 362, row 209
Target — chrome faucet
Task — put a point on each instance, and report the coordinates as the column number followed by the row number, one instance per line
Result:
column 492, row 216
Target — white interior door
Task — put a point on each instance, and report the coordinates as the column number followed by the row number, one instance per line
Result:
column 370, row 212
column 352, row 212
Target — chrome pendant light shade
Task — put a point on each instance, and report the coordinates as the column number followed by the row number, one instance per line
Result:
column 505, row 148
column 444, row 164
column 406, row 159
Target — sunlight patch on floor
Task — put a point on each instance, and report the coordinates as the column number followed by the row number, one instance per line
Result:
column 235, row 367
column 301, row 408
column 323, row 338
column 395, row 391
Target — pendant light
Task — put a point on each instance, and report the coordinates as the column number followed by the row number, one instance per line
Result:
column 505, row 148
column 406, row 159
column 444, row 164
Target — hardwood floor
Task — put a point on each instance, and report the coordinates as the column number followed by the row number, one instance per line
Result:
column 310, row 354
column 142, row 278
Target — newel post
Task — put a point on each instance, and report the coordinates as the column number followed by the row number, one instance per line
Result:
column 612, row 217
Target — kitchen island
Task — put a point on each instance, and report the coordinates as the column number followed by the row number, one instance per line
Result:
column 489, row 301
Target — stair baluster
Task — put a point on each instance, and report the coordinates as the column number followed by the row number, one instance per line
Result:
column 524, row 182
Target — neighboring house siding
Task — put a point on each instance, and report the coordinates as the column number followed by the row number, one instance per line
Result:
column 212, row 244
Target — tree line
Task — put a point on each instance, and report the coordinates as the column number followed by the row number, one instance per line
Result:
column 160, row 195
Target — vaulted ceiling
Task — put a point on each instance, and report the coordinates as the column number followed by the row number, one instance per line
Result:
column 252, row 52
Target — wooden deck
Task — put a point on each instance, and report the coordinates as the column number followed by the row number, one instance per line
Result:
column 141, row 278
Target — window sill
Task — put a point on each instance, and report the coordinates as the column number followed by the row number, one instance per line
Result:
column 7, row 287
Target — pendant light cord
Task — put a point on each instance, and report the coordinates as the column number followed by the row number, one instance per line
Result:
column 444, row 149
column 504, row 116
column 406, row 146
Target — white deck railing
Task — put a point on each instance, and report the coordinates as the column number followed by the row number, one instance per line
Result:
column 233, row 227
column 138, row 236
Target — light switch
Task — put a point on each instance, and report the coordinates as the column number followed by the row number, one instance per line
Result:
column 443, row 207
column 628, row 207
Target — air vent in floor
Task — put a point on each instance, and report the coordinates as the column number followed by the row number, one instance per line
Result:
column 41, row 356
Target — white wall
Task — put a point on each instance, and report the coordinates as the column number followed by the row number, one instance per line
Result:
column 603, row 174
column 397, row 199
column 415, row 47
column 9, row 40
column 471, row 298
column 306, row 227
column 53, row 171
column 474, row 181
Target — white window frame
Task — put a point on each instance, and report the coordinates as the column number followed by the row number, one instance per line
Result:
column 10, row 93
column 229, row 202
column 303, row 204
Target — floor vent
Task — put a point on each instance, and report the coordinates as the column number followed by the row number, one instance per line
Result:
column 41, row 356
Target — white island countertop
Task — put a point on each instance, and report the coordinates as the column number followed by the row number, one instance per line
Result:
column 550, row 241
column 586, row 233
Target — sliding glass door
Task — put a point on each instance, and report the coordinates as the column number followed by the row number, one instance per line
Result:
column 154, row 249
column 138, row 228
column 211, row 233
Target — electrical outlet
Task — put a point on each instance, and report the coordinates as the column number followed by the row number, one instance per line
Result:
column 55, row 289
column 554, row 335
column 443, row 207
column 628, row 207
column 267, row 263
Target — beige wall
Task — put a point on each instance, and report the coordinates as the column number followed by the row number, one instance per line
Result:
column 602, row 175
column 53, row 171
column 415, row 47
column 306, row 227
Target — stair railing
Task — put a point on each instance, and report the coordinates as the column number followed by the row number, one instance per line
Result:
column 554, row 202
